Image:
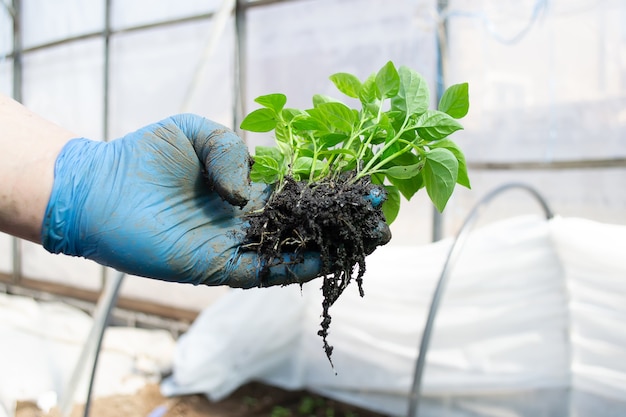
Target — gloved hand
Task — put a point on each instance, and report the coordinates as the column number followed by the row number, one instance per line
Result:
column 164, row 202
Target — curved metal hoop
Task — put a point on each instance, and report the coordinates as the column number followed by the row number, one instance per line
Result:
column 91, row 349
column 453, row 255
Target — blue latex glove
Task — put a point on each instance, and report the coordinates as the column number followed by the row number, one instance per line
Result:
column 165, row 202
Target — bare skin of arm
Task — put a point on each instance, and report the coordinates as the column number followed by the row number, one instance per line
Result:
column 30, row 145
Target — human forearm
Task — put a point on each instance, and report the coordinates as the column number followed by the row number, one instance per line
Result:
column 30, row 145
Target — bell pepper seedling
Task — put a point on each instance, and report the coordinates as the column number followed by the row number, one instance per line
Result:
column 333, row 164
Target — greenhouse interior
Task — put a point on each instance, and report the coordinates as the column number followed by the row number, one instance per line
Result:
column 501, row 296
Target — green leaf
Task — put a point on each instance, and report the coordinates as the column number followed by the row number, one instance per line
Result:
column 268, row 161
column 348, row 84
column 275, row 102
column 318, row 116
column 345, row 165
column 435, row 125
column 397, row 155
column 367, row 94
column 269, row 152
column 408, row 187
column 281, row 134
column 387, row 81
column 381, row 130
column 455, row 100
column 395, row 116
column 404, row 172
column 440, row 175
column 413, row 96
column 265, row 169
column 321, row 99
column 338, row 115
column 463, row 178
column 288, row 114
column 305, row 121
column 378, row 179
column 391, row 206
column 338, row 151
column 260, row 120
column 303, row 165
column 332, row 139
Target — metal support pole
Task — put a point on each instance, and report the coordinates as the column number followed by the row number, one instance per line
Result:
column 441, row 33
column 16, row 243
column 88, row 359
column 239, row 93
column 106, row 77
column 453, row 256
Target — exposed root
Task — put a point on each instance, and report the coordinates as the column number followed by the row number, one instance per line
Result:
column 331, row 218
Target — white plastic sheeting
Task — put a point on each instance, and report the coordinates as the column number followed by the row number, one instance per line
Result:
column 531, row 324
column 41, row 342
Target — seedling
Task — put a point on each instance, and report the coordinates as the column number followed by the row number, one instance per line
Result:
column 330, row 159
column 394, row 137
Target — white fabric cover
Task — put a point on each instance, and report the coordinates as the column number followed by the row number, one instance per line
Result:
column 41, row 342
column 532, row 309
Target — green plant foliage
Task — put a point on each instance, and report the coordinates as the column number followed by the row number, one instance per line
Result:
column 307, row 406
column 279, row 411
column 455, row 101
column 394, row 137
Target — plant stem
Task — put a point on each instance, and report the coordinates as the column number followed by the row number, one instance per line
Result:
column 356, row 133
column 389, row 159
column 368, row 167
column 315, row 155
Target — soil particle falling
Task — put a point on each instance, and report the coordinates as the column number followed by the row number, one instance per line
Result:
column 332, row 218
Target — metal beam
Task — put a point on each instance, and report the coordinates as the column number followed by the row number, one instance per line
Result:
column 239, row 93
column 453, row 255
column 16, row 244
column 549, row 165
column 442, row 47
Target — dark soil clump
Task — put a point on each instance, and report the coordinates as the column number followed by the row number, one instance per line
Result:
column 332, row 218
